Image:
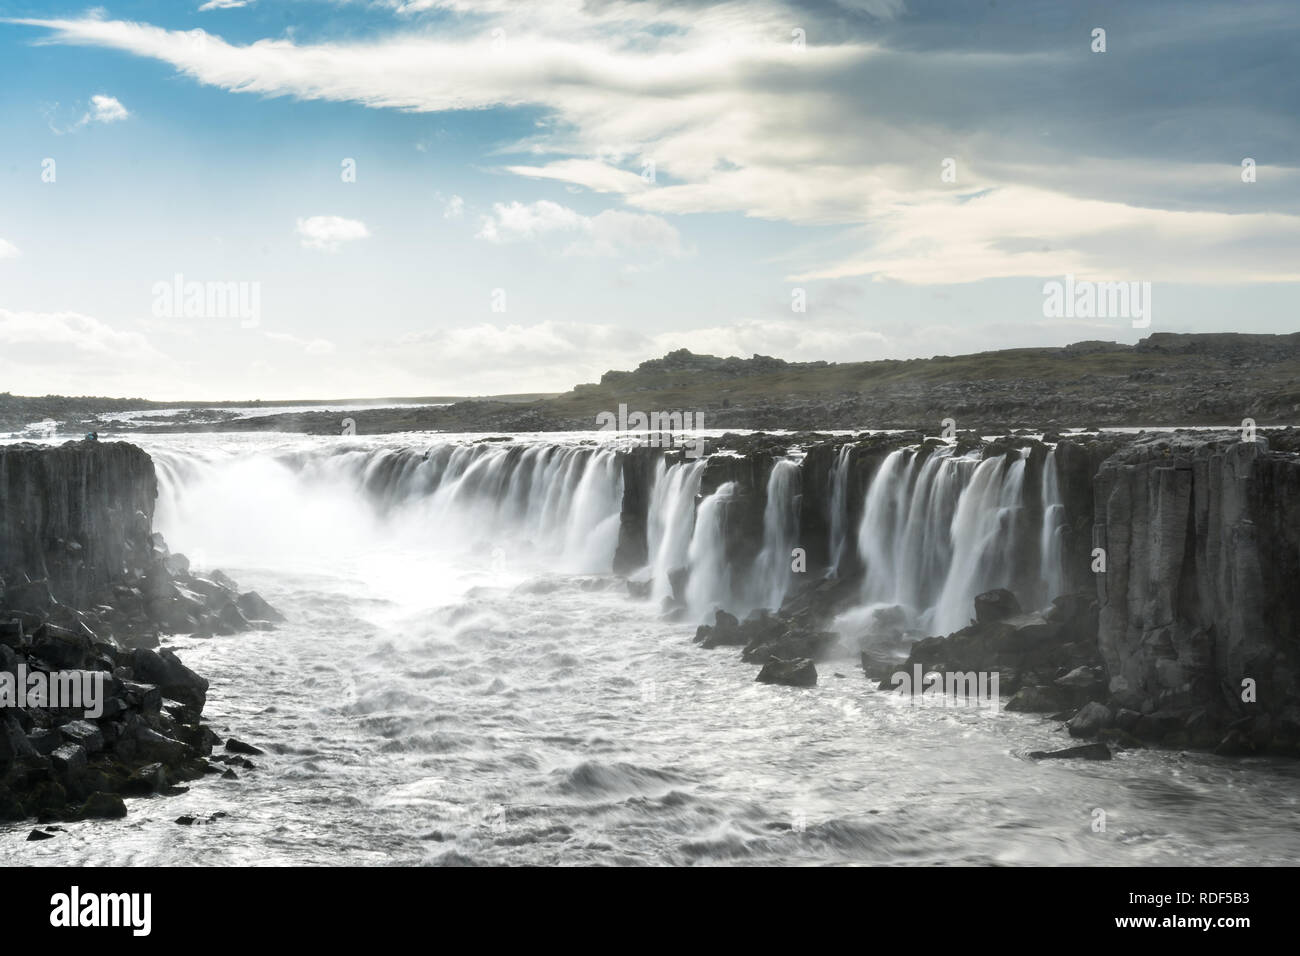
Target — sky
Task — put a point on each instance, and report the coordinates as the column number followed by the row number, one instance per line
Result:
column 376, row 198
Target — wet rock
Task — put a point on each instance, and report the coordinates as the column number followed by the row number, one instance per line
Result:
column 61, row 648
column 1120, row 739
column 236, row 746
column 1234, row 744
column 146, row 698
column 13, row 741
column 175, row 680
column 1037, row 699
column 39, row 835
column 1158, row 725
column 102, row 806
column 30, row 597
column 70, row 765
column 255, row 608
column 724, row 632
column 139, row 741
column 11, row 633
column 796, row 673
column 85, row 734
column 995, row 605
column 1086, row 752
column 1091, row 719
column 185, row 821
column 1127, row 720
column 151, row 778
column 11, row 808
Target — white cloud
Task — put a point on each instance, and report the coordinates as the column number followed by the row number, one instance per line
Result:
column 454, row 209
column 329, row 232
column 105, row 109
column 60, row 352
column 737, row 121
column 223, row 5
column 612, row 232
column 8, row 250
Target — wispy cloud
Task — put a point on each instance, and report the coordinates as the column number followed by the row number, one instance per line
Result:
column 102, row 109
column 738, row 118
column 612, row 232
column 8, row 250
column 223, row 5
column 328, row 233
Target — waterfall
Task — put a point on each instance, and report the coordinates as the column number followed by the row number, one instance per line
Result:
column 771, row 577
column 557, row 502
column 710, row 581
column 983, row 541
column 1051, row 544
column 670, row 521
column 937, row 529
column 839, row 512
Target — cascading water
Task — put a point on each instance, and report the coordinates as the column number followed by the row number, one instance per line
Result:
column 839, row 508
column 553, row 501
column 710, row 581
column 772, row 573
column 1052, row 543
column 938, row 529
column 935, row 528
column 670, row 521
column 983, row 540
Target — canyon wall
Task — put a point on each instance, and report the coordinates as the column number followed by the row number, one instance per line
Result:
column 79, row 515
column 1202, row 546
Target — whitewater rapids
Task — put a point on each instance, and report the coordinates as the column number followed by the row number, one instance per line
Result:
column 462, row 681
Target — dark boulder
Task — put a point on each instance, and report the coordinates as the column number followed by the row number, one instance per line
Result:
column 102, row 806
column 796, row 673
column 996, row 605
column 1085, row 752
column 174, row 679
column 1091, row 719
column 255, row 608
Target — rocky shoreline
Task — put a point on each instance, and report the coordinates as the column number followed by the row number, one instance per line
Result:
column 86, row 590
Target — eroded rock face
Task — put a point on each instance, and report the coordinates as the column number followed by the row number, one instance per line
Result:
column 77, row 515
column 1202, row 542
column 85, row 589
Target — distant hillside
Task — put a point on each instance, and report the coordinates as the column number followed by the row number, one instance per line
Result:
column 1165, row 379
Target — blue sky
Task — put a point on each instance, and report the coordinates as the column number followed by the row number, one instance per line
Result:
column 506, row 146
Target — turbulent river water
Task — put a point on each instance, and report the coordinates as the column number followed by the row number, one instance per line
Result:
column 462, row 681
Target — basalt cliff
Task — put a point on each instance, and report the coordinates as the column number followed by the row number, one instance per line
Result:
column 1137, row 588
column 93, row 709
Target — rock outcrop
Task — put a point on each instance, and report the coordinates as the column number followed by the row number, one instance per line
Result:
column 1200, row 613
column 90, row 710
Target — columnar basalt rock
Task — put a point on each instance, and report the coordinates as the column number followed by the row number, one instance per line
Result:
column 1180, row 555
column 85, row 588
column 77, row 515
column 1199, row 609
